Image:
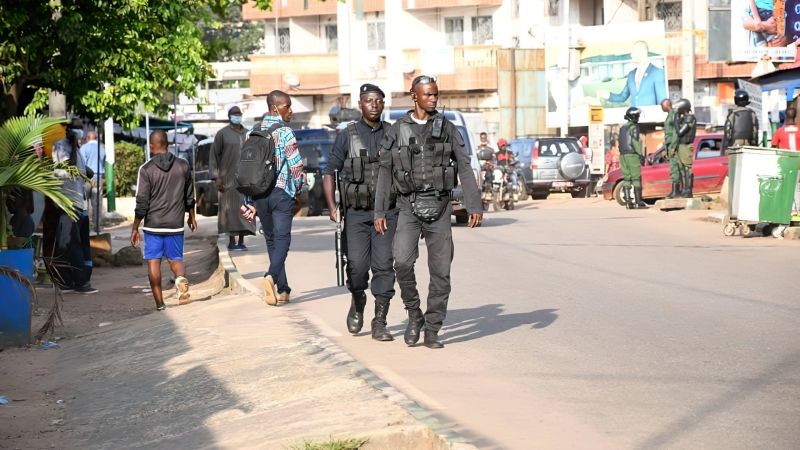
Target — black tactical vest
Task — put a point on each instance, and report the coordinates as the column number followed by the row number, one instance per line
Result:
column 687, row 120
column 423, row 163
column 627, row 133
column 361, row 172
column 743, row 125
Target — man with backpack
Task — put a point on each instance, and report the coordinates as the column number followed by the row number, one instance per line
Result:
column 270, row 174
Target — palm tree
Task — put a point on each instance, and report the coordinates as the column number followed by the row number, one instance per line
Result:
column 21, row 168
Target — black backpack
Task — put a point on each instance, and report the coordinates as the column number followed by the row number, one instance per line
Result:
column 256, row 173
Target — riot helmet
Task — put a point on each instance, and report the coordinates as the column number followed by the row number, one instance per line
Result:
column 633, row 114
column 741, row 98
column 683, row 106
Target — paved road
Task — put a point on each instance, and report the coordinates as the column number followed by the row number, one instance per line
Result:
column 578, row 324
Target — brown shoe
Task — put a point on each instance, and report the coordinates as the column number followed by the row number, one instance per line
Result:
column 269, row 291
column 283, row 298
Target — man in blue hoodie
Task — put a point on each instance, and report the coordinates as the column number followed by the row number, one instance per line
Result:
column 164, row 193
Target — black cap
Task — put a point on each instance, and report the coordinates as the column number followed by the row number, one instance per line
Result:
column 366, row 88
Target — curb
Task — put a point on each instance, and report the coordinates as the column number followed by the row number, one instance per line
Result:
column 451, row 438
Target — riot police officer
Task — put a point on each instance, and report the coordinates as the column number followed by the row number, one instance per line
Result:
column 355, row 156
column 631, row 154
column 686, row 125
column 422, row 158
column 741, row 126
column 671, row 147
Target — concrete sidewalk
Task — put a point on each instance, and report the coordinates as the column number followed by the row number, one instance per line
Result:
column 229, row 373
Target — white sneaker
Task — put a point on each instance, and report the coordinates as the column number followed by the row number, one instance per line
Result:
column 182, row 286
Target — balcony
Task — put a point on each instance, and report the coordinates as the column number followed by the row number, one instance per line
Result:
column 428, row 4
column 290, row 9
column 474, row 68
column 315, row 74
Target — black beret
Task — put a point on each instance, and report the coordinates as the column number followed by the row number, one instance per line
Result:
column 366, row 88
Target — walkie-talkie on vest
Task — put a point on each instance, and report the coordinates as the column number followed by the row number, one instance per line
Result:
column 438, row 124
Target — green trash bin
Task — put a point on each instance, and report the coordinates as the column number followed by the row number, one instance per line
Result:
column 762, row 184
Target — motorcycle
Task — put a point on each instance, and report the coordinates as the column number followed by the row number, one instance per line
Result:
column 500, row 189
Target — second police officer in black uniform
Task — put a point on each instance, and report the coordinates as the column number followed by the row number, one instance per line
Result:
column 355, row 156
column 422, row 157
column 741, row 126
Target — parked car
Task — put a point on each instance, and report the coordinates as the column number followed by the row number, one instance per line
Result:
column 204, row 189
column 552, row 164
column 457, row 195
column 315, row 148
column 710, row 169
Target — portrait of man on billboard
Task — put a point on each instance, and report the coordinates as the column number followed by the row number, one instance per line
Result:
column 646, row 83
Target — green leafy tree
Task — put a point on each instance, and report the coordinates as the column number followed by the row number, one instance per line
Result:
column 110, row 58
column 229, row 38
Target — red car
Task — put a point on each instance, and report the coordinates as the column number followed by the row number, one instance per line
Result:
column 710, row 169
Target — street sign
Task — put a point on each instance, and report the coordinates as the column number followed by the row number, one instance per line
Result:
column 595, row 114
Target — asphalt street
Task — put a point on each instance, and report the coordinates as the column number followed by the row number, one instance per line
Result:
column 578, row 324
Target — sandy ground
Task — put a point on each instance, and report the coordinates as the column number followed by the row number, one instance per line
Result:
column 32, row 420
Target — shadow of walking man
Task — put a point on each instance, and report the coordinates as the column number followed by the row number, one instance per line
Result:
column 464, row 325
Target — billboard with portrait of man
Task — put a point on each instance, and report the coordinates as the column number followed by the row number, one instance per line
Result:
column 608, row 66
column 764, row 28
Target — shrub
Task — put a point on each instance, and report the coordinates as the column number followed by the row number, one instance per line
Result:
column 128, row 157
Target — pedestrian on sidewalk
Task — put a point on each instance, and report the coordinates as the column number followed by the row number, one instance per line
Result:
column 225, row 152
column 164, row 193
column 787, row 137
column 275, row 210
column 66, row 241
column 96, row 169
column 632, row 154
column 671, row 147
column 423, row 184
column 686, row 124
column 355, row 154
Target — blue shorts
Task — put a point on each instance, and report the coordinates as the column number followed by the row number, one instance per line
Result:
column 157, row 246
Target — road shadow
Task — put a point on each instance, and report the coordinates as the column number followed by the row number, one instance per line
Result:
column 490, row 221
column 318, row 294
column 462, row 325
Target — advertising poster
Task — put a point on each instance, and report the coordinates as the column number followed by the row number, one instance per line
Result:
column 764, row 28
column 608, row 66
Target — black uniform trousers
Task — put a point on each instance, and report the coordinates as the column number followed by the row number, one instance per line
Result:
column 366, row 249
column 439, row 242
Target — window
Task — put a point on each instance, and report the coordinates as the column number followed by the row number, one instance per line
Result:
column 481, row 30
column 376, row 36
column 454, row 30
column 332, row 38
column 670, row 13
column 283, row 45
column 709, row 148
column 719, row 30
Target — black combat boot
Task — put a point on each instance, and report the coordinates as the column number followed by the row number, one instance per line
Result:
column 432, row 339
column 626, row 194
column 640, row 204
column 676, row 191
column 355, row 317
column 379, row 331
column 688, row 185
column 415, row 323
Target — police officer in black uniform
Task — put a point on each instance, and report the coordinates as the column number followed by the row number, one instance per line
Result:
column 741, row 126
column 422, row 158
column 355, row 156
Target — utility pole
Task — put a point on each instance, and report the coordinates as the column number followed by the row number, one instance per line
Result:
column 687, row 61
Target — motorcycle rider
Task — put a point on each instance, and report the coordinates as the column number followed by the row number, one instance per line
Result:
column 631, row 157
column 741, row 126
column 506, row 158
column 686, row 125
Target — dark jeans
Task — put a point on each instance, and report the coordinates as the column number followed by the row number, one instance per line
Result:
column 366, row 249
column 86, row 246
column 275, row 213
column 65, row 248
column 439, row 241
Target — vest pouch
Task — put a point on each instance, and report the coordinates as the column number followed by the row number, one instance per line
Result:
column 356, row 170
column 428, row 207
column 350, row 194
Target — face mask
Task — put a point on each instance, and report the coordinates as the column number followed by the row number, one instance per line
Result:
column 236, row 120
